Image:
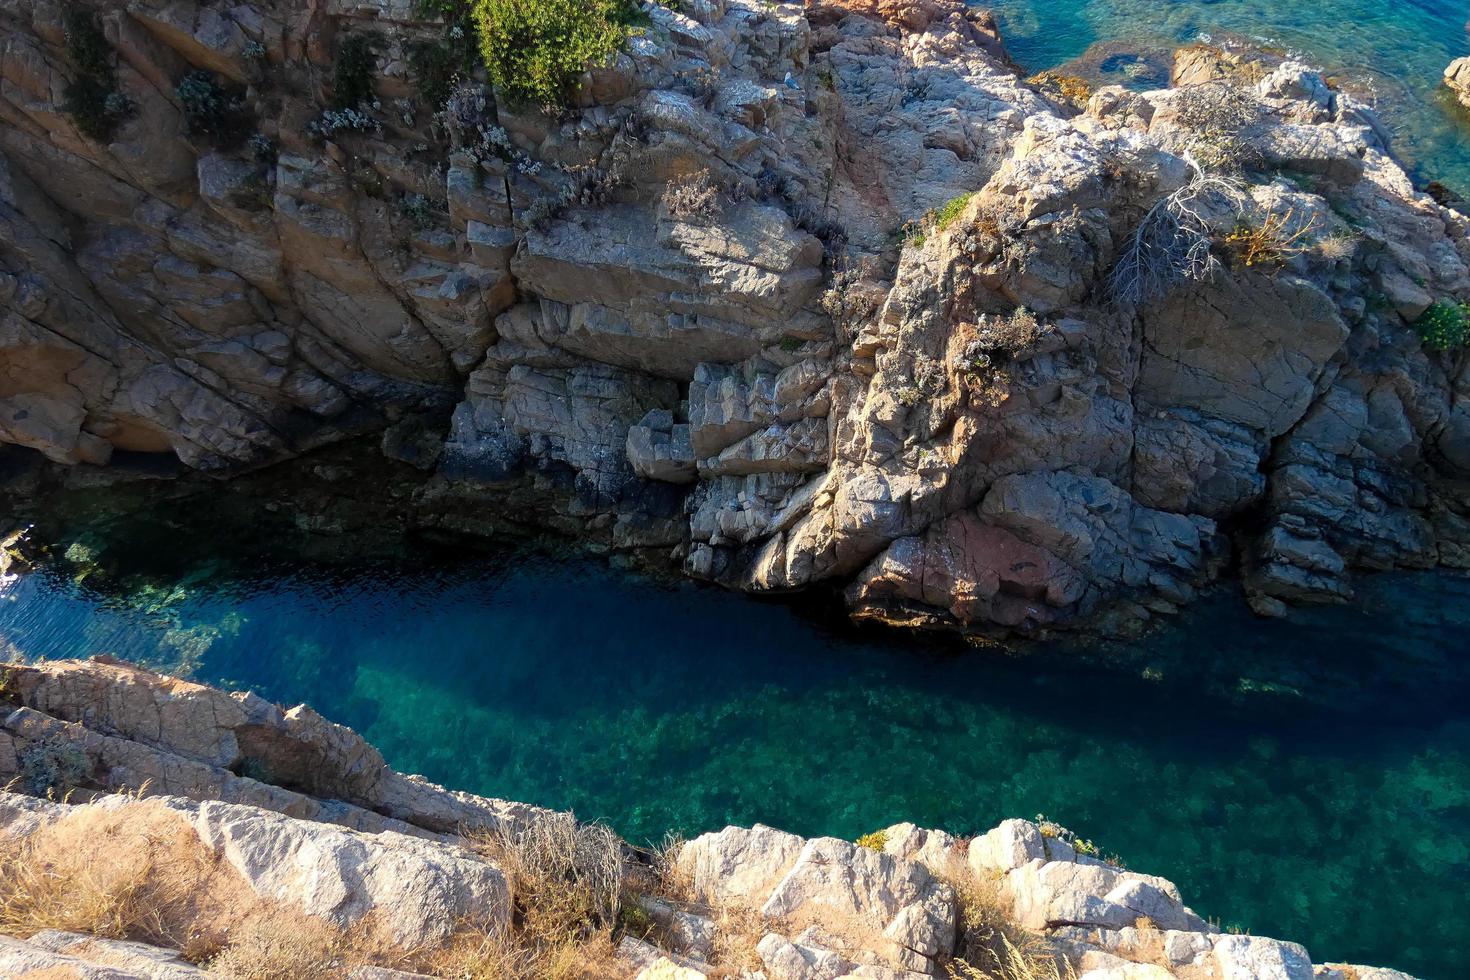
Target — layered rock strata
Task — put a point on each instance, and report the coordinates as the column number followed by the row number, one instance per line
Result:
column 898, row 350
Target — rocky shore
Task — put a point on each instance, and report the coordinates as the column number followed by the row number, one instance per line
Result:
column 789, row 296
column 157, row 828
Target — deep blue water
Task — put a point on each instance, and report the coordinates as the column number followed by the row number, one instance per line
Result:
column 1307, row 779
column 1398, row 47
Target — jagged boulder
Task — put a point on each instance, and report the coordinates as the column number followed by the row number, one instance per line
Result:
column 1457, row 79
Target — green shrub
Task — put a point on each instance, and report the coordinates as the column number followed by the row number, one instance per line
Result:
column 875, row 841
column 53, row 767
column 951, row 211
column 86, row 45
column 211, row 108
column 439, row 66
column 92, row 98
column 1444, row 326
column 352, row 73
column 535, row 50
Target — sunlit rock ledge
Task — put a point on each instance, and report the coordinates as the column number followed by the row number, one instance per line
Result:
column 158, row 828
column 791, row 296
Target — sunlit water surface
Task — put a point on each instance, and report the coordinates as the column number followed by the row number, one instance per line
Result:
column 1307, row 779
column 1398, row 47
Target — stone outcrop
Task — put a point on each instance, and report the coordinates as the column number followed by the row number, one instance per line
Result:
column 1457, row 79
column 802, row 909
column 134, row 728
column 893, row 351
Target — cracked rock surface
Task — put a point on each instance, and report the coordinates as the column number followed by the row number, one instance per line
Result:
column 783, row 389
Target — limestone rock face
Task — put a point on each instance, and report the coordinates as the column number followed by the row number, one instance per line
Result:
column 850, row 904
column 1457, row 79
column 137, row 728
column 133, row 959
column 423, row 890
column 24, row 959
column 790, row 294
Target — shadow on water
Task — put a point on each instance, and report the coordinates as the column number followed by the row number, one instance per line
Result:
column 1281, row 772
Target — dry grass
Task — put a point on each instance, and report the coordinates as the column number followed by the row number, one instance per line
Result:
column 737, row 933
column 566, row 881
column 990, row 945
column 287, row 949
column 1273, row 241
column 137, row 872
column 695, row 197
column 1012, row 962
column 1335, row 248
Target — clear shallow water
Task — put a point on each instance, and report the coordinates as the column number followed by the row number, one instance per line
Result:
column 1308, row 779
column 1399, row 47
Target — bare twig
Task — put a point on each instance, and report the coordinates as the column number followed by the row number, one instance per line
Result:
column 1172, row 243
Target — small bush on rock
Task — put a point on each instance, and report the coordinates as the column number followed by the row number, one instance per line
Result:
column 53, row 767
column 352, row 73
column 535, row 50
column 92, row 98
column 1172, row 243
column 1445, row 325
column 693, row 197
column 875, row 841
column 212, row 109
column 1271, row 242
column 1219, row 118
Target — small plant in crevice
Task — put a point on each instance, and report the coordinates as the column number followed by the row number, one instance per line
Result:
column 935, row 220
column 588, row 187
column 213, row 109
column 439, row 66
column 692, row 197
column 1273, row 241
column 420, row 211
column 92, row 98
column 53, row 767
column 1445, row 326
column 989, row 350
column 334, row 121
column 1052, row 830
column 352, row 71
column 263, row 148
column 875, row 841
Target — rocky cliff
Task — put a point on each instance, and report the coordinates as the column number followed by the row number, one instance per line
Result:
column 212, row 834
column 792, row 294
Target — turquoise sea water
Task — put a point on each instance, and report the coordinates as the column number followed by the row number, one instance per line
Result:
column 1306, row 779
column 1397, row 47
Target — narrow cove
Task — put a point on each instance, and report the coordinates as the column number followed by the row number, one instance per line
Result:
column 1279, row 771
